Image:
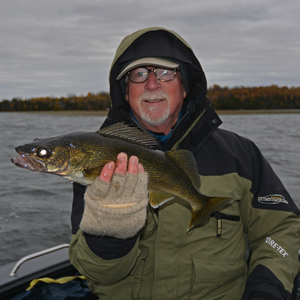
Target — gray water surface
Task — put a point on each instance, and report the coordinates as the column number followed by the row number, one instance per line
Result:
column 35, row 208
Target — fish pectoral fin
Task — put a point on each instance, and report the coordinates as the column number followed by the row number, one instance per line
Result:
column 158, row 198
column 79, row 177
column 185, row 161
column 202, row 213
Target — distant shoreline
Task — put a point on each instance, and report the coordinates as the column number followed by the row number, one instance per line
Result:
column 103, row 113
column 257, row 111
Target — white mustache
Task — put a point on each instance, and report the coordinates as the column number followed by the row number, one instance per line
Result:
column 150, row 96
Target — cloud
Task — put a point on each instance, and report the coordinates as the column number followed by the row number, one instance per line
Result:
column 59, row 47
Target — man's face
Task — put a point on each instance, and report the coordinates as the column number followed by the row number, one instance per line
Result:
column 156, row 104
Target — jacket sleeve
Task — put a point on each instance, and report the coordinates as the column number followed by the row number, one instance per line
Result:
column 112, row 279
column 272, row 224
column 106, row 262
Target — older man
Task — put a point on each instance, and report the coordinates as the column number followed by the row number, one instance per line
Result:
column 155, row 95
column 127, row 249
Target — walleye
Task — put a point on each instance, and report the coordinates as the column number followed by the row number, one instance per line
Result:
column 80, row 157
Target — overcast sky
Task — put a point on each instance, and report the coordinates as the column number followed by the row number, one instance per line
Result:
column 61, row 47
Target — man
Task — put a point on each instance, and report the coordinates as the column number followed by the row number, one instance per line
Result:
column 127, row 249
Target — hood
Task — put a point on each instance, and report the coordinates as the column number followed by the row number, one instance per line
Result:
column 163, row 43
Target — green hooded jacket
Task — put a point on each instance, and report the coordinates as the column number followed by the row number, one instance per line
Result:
column 211, row 261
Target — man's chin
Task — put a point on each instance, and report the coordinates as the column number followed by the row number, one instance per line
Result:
column 155, row 120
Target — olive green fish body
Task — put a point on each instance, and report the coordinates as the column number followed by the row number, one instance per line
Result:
column 81, row 156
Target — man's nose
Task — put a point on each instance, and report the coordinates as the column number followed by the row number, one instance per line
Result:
column 152, row 82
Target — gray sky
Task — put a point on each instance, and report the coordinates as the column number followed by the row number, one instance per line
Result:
column 61, row 47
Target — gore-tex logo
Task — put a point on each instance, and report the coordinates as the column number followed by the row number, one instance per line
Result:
column 272, row 199
column 274, row 245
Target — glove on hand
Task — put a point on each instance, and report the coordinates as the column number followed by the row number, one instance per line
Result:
column 116, row 208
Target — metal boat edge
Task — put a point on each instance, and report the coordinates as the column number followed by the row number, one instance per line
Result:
column 52, row 262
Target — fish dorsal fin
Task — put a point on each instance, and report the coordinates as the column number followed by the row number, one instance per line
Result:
column 129, row 133
column 158, row 198
column 185, row 160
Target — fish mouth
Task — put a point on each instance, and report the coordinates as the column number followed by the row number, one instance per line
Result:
column 25, row 161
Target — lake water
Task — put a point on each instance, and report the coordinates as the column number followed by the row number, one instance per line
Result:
column 35, row 208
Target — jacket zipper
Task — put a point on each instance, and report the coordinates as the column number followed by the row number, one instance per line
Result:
column 219, row 216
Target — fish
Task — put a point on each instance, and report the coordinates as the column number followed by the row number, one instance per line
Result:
column 80, row 157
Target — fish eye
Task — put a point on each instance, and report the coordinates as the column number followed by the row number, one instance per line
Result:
column 43, row 152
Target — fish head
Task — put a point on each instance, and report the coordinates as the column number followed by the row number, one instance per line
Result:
column 49, row 155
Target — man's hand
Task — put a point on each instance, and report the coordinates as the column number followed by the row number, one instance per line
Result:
column 120, row 167
column 116, row 203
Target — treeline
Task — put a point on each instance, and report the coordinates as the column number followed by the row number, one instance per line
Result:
column 269, row 97
column 100, row 101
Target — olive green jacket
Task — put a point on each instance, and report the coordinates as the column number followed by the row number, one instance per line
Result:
column 168, row 262
column 210, row 261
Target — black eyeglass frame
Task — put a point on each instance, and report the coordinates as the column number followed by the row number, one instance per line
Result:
column 154, row 71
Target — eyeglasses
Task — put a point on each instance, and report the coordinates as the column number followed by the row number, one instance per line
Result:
column 139, row 75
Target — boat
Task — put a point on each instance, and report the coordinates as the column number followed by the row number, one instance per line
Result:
column 50, row 274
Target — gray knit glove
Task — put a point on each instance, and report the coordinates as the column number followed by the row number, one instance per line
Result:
column 116, row 208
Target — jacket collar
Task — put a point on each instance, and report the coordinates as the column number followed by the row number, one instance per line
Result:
column 203, row 130
column 191, row 132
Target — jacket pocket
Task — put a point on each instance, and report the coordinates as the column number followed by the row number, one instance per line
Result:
column 137, row 274
column 220, row 217
column 216, row 278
